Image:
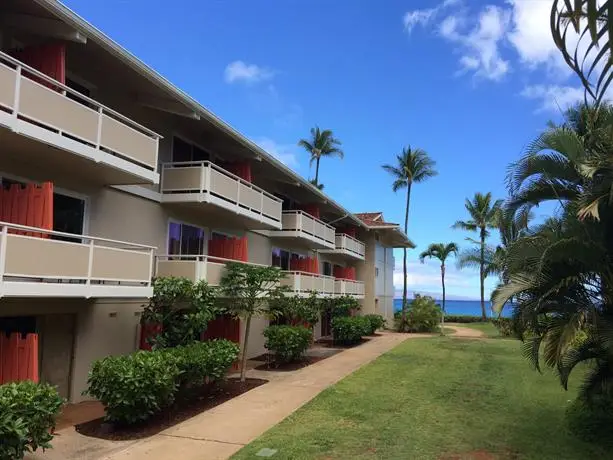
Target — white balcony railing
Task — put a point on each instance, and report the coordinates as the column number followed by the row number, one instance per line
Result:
column 348, row 246
column 204, row 181
column 349, row 287
column 300, row 224
column 304, row 283
column 194, row 267
column 42, row 108
column 70, row 265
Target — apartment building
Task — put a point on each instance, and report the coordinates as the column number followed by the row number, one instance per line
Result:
column 110, row 176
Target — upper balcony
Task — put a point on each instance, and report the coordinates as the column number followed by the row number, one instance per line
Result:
column 89, row 138
column 193, row 267
column 303, row 283
column 300, row 229
column 207, row 187
column 348, row 246
column 43, row 263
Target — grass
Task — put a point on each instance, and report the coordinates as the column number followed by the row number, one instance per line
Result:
column 438, row 398
column 487, row 328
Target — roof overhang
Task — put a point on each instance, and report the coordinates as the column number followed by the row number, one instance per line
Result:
column 394, row 236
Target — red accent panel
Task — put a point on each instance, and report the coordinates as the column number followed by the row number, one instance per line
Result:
column 223, row 327
column 18, row 357
column 48, row 58
column 146, row 331
column 229, row 248
column 312, row 209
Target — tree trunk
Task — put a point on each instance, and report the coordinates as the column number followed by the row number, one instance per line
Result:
column 404, row 258
column 317, row 171
column 443, row 282
column 481, row 274
column 245, row 343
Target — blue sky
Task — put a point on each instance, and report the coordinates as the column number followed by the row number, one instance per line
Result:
column 470, row 82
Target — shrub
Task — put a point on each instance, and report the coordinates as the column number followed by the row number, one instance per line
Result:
column 296, row 310
column 591, row 420
column 288, row 343
column 504, row 326
column 376, row 322
column 342, row 306
column 463, row 319
column 27, row 416
column 203, row 362
column 134, row 387
column 423, row 315
column 348, row 330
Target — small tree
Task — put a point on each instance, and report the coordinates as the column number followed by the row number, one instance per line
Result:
column 181, row 309
column 249, row 289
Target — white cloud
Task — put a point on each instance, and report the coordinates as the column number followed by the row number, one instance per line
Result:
column 424, row 16
column 553, row 97
column 480, row 46
column 285, row 153
column 249, row 73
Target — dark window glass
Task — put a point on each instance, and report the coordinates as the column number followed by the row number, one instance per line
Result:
column 199, row 154
column 68, row 216
column 181, row 150
column 185, row 239
column 327, row 269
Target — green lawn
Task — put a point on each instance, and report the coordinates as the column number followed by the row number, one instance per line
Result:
column 438, row 398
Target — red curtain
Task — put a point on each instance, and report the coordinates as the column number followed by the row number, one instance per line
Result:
column 18, row 357
column 305, row 264
column 350, row 230
column 31, row 205
column 48, row 58
column 229, row 248
column 241, row 168
column 312, row 209
column 346, row 273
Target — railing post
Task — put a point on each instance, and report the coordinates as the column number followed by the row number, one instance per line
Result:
column 3, row 243
column 99, row 133
column 90, row 264
column 151, row 261
column 238, row 196
column 261, row 204
column 206, row 180
column 17, row 93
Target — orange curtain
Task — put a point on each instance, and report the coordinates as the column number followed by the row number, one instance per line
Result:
column 18, row 357
column 31, row 205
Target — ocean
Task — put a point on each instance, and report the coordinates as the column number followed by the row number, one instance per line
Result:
column 459, row 307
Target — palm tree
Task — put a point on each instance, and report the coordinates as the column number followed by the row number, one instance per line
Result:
column 440, row 251
column 321, row 144
column 483, row 215
column 412, row 166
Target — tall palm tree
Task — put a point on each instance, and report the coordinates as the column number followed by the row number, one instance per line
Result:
column 412, row 166
column 484, row 214
column 322, row 143
column 440, row 251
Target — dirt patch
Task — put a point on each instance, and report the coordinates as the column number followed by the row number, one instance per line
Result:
column 181, row 410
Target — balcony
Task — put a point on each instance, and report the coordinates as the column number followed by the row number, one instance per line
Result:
column 204, row 186
column 303, row 283
column 193, row 267
column 349, row 287
column 90, row 139
column 44, row 263
column 302, row 229
column 347, row 246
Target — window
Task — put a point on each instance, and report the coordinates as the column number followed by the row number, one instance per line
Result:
column 186, row 151
column 327, row 269
column 280, row 258
column 185, row 239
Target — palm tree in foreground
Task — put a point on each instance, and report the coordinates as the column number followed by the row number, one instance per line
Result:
column 483, row 215
column 412, row 166
column 440, row 251
column 322, row 143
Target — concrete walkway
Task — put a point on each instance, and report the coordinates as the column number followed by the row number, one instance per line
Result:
column 220, row 432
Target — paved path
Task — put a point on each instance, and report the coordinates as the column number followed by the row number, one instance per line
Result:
column 220, row 432
column 460, row 331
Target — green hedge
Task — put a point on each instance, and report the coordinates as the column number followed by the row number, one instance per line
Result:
column 464, row 319
column 376, row 322
column 423, row 315
column 27, row 416
column 505, row 326
column 348, row 330
column 592, row 420
column 287, row 343
column 135, row 387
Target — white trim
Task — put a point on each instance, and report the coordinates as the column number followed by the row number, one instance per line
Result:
column 139, row 191
column 30, row 289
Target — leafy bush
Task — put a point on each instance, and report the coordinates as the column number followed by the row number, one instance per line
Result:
column 504, row 326
column 288, row 343
column 348, row 330
column 27, row 416
column 181, row 308
column 203, row 362
column 463, row 319
column 376, row 322
column 341, row 306
column 296, row 310
column 134, row 387
column 423, row 315
column 591, row 420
